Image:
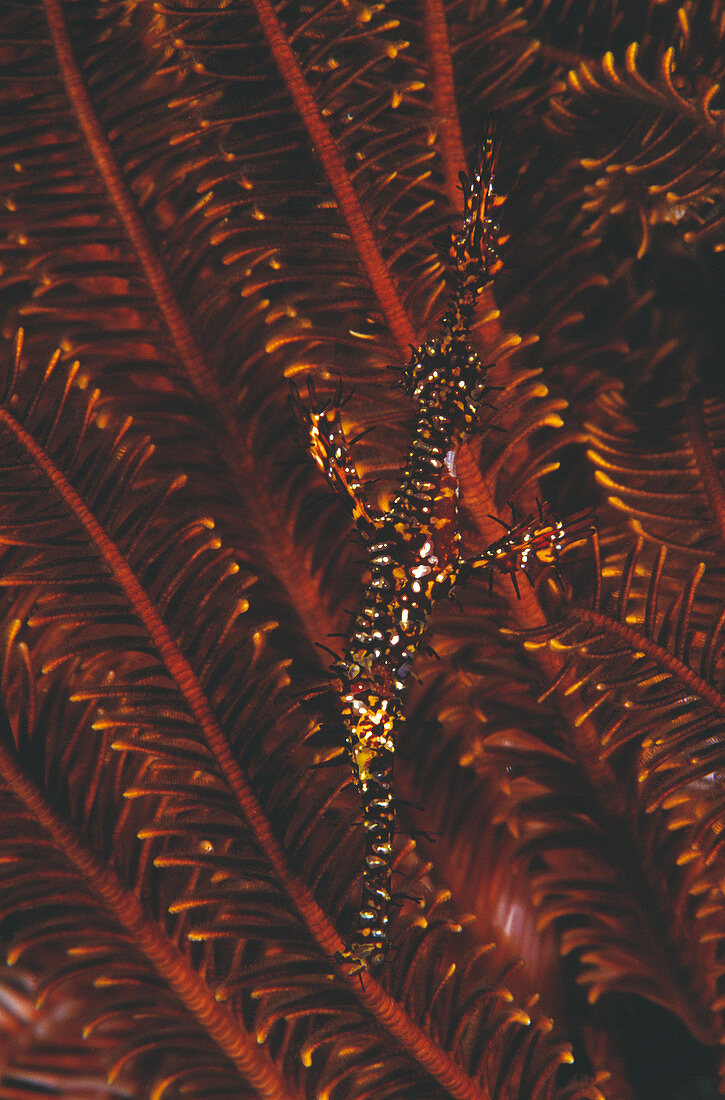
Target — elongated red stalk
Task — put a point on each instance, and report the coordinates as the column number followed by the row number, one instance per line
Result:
column 238, row 1045
column 661, row 656
column 450, row 135
column 198, row 370
column 350, row 207
column 302, row 589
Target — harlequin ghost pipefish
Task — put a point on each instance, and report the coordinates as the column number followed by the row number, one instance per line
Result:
column 413, row 549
